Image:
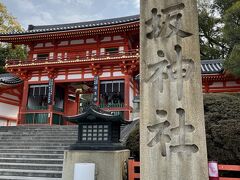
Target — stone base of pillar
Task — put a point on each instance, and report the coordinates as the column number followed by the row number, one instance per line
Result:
column 109, row 164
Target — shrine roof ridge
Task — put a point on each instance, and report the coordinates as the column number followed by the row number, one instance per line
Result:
column 74, row 26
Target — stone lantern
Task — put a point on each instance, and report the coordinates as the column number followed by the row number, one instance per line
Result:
column 97, row 130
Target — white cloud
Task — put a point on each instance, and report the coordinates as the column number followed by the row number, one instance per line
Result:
column 42, row 12
column 78, row 18
column 72, row 2
column 137, row 3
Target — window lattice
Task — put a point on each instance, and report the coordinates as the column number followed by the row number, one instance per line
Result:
column 95, row 133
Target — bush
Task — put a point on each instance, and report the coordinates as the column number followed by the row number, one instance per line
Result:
column 222, row 117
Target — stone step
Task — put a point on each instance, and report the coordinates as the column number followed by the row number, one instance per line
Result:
column 40, row 132
column 26, row 156
column 16, row 141
column 16, row 130
column 38, row 127
column 35, row 147
column 31, row 160
column 34, row 152
column 30, row 173
column 26, row 178
column 38, row 137
column 31, row 151
column 31, row 166
column 6, row 144
column 54, row 135
column 13, row 128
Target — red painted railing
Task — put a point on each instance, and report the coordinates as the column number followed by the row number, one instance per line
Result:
column 222, row 167
column 132, row 165
column 214, row 169
column 75, row 57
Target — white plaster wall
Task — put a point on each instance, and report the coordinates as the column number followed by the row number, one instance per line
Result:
column 34, row 79
column 118, row 73
column 232, row 83
column 8, row 110
column 44, row 78
column 74, row 76
column 88, row 75
column 3, row 122
column 12, row 123
column 10, row 96
column 131, row 96
column 106, row 74
column 60, row 77
column 217, row 84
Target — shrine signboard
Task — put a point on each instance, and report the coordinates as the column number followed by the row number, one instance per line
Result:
column 50, row 91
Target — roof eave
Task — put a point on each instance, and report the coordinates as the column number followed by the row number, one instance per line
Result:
column 13, row 38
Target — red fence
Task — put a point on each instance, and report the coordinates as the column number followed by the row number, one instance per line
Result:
column 214, row 169
column 132, row 165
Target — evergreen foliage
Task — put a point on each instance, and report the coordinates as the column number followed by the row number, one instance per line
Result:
column 219, row 26
column 9, row 24
column 222, row 122
column 233, row 61
column 212, row 44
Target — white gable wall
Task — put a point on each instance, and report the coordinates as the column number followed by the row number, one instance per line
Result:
column 9, row 111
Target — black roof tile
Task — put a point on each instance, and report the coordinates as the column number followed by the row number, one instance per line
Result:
column 214, row 66
column 80, row 25
column 9, row 79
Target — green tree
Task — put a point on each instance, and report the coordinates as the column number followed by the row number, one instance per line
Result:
column 232, row 24
column 232, row 64
column 213, row 46
column 9, row 24
column 232, row 36
column 222, row 5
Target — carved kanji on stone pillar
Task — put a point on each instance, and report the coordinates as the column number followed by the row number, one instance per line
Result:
column 172, row 132
column 166, row 23
column 181, row 132
column 159, row 129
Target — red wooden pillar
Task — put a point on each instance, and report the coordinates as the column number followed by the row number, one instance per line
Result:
column 65, row 103
column 65, row 99
column 23, row 106
column 98, row 101
column 126, row 95
column 50, row 107
column 78, row 103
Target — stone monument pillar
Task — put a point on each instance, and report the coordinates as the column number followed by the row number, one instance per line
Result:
column 173, row 142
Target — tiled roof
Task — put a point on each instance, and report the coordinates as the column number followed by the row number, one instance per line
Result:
column 9, row 79
column 81, row 25
column 212, row 66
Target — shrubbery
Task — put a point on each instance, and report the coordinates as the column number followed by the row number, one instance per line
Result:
column 222, row 116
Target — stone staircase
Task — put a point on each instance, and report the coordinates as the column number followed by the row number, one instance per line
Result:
column 34, row 152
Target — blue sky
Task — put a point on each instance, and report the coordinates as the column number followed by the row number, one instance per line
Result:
column 42, row 12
